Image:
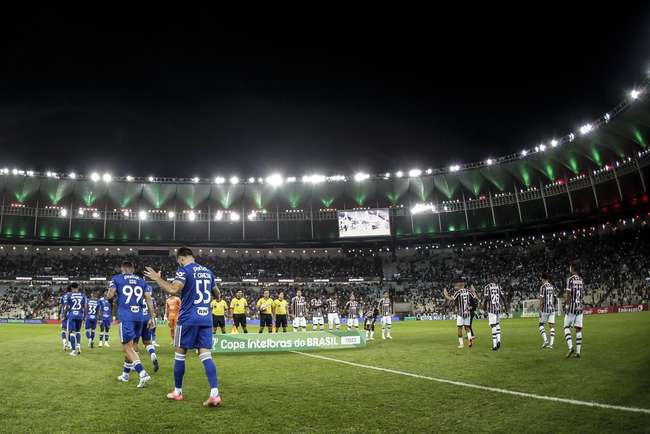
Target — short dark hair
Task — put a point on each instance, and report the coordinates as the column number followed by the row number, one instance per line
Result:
column 575, row 266
column 74, row 285
column 184, row 251
column 127, row 264
column 545, row 275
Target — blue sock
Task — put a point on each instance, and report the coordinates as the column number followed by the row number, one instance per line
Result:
column 78, row 338
column 92, row 335
column 63, row 334
column 179, row 369
column 127, row 368
column 138, row 366
column 73, row 341
column 153, row 334
column 88, row 334
column 106, row 337
column 210, row 369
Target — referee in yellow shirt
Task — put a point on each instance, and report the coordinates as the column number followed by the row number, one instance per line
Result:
column 280, row 311
column 265, row 309
column 219, row 307
column 239, row 309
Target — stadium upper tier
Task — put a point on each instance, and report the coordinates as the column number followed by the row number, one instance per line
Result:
column 604, row 165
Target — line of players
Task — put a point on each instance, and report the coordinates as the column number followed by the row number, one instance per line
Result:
column 278, row 311
column 493, row 301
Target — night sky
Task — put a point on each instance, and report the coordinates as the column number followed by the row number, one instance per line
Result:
column 205, row 93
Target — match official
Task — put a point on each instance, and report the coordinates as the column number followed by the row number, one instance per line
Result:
column 280, row 311
column 219, row 307
column 265, row 309
column 238, row 310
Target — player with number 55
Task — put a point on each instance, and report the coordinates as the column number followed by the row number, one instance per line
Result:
column 195, row 284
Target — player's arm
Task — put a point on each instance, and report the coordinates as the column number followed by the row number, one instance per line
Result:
column 173, row 288
column 110, row 292
column 152, row 311
column 166, row 310
column 446, row 294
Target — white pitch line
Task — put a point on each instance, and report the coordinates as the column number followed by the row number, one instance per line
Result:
column 479, row 387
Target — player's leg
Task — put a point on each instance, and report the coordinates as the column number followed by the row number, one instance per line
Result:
column 461, row 344
column 107, row 333
column 578, row 326
column 493, row 328
column 204, row 342
column 355, row 323
column 243, row 322
column 568, row 322
column 147, row 340
column 551, row 323
column 542, row 329
column 64, row 334
column 349, row 323
column 389, row 326
column 72, row 337
column 470, row 337
column 179, row 366
column 303, row 323
column 131, row 331
column 498, row 327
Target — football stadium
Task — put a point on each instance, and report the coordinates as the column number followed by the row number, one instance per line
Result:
column 430, row 297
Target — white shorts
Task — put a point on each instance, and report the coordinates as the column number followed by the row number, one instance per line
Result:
column 317, row 320
column 493, row 318
column 299, row 321
column 353, row 322
column 462, row 320
column 386, row 320
column 573, row 320
column 333, row 318
column 547, row 318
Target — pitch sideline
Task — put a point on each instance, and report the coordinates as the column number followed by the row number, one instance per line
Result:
column 479, row 387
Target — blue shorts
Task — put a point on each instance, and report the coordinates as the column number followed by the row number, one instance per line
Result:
column 191, row 336
column 64, row 324
column 106, row 323
column 146, row 332
column 91, row 324
column 74, row 325
column 130, row 331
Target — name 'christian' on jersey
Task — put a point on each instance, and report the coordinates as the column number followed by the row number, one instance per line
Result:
column 547, row 295
column 130, row 291
column 575, row 288
column 196, row 295
column 493, row 294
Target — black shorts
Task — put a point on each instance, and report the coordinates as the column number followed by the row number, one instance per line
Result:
column 369, row 325
column 239, row 319
column 218, row 321
column 281, row 321
column 266, row 320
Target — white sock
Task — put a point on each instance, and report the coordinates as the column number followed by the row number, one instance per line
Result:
column 498, row 332
column 578, row 342
column 494, row 337
column 372, row 334
column 214, row 391
column 469, row 335
column 178, row 390
column 552, row 335
column 460, row 341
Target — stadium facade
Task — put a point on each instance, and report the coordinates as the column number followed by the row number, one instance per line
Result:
column 601, row 168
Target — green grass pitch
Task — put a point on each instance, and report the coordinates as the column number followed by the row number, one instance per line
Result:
column 45, row 390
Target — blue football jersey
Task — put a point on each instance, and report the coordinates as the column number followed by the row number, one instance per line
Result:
column 75, row 301
column 196, row 294
column 145, row 309
column 63, row 302
column 92, row 308
column 105, row 308
column 129, row 289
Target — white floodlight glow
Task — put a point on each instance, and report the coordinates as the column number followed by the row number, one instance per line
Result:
column 291, row 179
column 586, row 128
column 171, row 214
column 191, row 216
column 386, row 175
column 151, row 179
column 571, row 137
column 106, row 177
column 454, row 168
column 234, row 180
column 30, row 173
column 72, row 175
column 219, row 179
column 81, row 212
column 63, row 212
column 361, row 176
column 142, row 215
column 414, row 173
column 234, row 217
column 129, row 178
column 634, row 94
column 399, row 174
column 422, row 207
column 95, row 215
column 429, row 171
column 218, row 216
column 251, row 180
column 313, row 179
column 554, row 143
column 195, row 180
column 275, row 180
column 94, row 177
column 126, row 213
column 489, row 161
column 524, row 153
column 542, row 147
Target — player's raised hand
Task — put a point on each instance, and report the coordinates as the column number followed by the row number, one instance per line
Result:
column 152, row 274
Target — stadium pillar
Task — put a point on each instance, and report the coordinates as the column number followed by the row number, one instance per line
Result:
column 439, row 222
column 139, row 227
column 243, row 222
column 593, row 188
column 311, row 218
column 411, row 216
column 465, row 210
column 35, row 218
column 174, row 224
column 541, row 191
column 568, row 193
column 636, row 161
column 618, row 184
column 518, row 205
column 105, row 216
column 277, row 221
column 494, row 219
column 70, row 221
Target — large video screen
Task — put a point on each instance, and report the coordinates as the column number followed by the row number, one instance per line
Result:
column 364, row 223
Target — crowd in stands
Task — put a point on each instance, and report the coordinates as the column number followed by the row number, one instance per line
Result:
column 615, row 268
